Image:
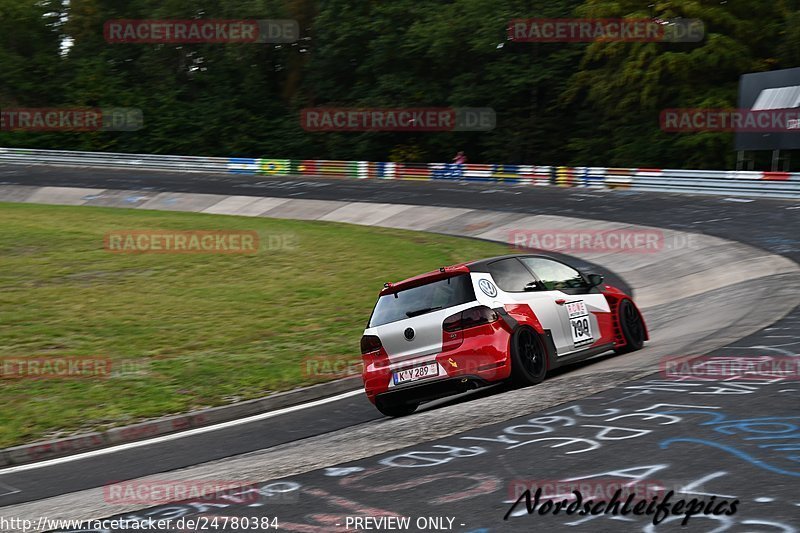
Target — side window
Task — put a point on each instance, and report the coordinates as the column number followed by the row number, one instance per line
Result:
column 452, row 291
column 555, row 275
column 510, row 275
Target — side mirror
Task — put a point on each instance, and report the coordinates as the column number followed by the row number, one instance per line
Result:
column 595, row 280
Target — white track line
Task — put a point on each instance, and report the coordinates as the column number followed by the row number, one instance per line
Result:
column 173, row 436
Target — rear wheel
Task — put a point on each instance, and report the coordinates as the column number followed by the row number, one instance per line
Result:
column 632, row 326
column 397, row 409
column 528, row 358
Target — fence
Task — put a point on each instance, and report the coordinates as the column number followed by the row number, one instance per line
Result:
column 744, row 183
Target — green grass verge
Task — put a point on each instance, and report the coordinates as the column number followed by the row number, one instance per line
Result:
column 184, row 331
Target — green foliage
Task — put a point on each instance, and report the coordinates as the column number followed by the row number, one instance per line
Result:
column 556, row 103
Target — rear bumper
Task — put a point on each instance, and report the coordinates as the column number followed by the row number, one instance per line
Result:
column 478, row 361
column 431, row 390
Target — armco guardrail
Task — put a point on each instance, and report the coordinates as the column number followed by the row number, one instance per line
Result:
column 728, row 182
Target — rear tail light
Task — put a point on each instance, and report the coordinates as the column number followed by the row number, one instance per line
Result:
column 470, row 318
column 370, row 343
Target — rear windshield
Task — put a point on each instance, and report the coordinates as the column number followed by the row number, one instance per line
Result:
column 423, row 299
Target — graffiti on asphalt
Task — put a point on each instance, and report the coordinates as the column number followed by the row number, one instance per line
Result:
column 554, row 430
column 777, row 439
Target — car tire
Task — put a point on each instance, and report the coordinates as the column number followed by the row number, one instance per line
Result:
column 528, row 358
column 632, row 326
column 397, row 409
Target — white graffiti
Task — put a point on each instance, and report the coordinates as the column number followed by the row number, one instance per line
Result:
column 588, row 437
column 697, row 387
column 339, row 472
column 421, row 459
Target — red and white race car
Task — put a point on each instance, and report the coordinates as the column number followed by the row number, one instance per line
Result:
column 505, row 318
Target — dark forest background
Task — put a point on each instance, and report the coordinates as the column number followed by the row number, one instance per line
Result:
column 573, row 104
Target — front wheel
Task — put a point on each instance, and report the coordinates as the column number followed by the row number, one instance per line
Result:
column 632, row 326
column 396, row 410
column 528, row 358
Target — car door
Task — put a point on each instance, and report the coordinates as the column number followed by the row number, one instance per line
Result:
column 583, row 311
column 519, row 286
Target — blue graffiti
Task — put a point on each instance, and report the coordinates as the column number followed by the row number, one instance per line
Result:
column 738, row 453
column 754, row 431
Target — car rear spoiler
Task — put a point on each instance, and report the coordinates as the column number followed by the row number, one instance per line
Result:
column 424, row 279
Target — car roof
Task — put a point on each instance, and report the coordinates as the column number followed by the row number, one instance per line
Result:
column 480, row 265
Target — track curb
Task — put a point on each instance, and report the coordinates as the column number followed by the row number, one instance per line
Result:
column 84, row 442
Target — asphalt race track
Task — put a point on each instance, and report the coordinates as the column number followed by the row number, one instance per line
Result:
column 688, row 437
column 768, row 224
column 733, row 440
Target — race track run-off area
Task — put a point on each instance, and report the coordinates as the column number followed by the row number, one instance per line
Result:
column 461, row 465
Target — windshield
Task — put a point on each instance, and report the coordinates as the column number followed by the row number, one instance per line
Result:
column 423, row 299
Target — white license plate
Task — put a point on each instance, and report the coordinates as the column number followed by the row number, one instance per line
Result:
column 579, row 324
column 416, row 373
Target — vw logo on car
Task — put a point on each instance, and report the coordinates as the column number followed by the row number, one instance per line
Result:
column 488, row 288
